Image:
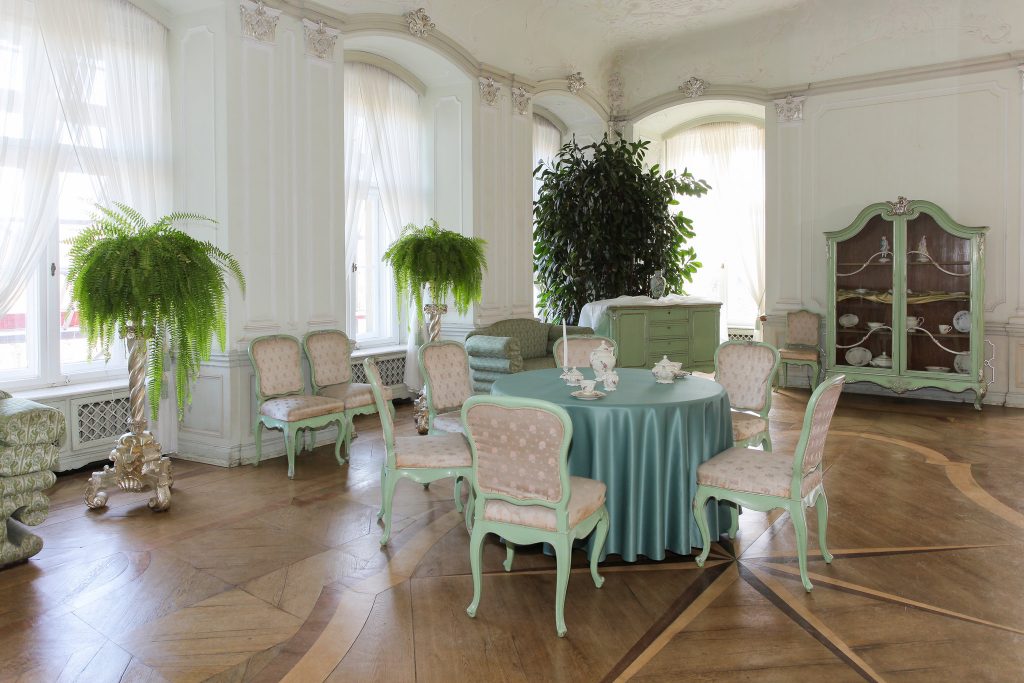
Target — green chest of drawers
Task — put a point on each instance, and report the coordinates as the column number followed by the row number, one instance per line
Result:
column 685, row 333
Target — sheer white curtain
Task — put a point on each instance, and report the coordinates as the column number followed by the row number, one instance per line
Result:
column 30, row 129
column 382, row 147
column 728, row 220
column 109, row 65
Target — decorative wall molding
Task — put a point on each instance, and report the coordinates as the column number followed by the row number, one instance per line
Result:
column 576, row 82
column 419, row 22
column 258, row 22
column 790, row 109
column 694, row 87
column 320, row 39
column 489, row 91
column 520, row 100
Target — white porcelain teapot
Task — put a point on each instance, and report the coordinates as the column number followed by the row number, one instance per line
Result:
column 664, row 371
column 602, row 360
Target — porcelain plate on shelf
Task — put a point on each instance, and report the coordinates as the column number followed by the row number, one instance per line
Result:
column 936, row 368
column 962, row 321
column 858, row 355
column 962, row 363
column 848, row 320
column 588, row 397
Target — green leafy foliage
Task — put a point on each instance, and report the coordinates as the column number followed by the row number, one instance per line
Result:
column 603, row 223
column 449, row 263
column 126, row 272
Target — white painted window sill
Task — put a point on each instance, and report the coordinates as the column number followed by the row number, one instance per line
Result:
column 68, row 390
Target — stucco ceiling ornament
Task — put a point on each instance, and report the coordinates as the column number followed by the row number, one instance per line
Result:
column 489, row 91
column 258, row 22
column 790, row 109
column 419, row 22
column 520, row 100
column 576, row 82
column 694, row 87
column 320, row 39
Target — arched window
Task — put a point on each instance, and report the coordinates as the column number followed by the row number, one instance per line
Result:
column 384, row 192
column 728, row 220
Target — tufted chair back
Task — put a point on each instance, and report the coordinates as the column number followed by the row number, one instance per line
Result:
column 387, row 423
column 445, row 368
column 746, row 370
column 330, row 357
column 820, row 408
column 580, row 346
column 802, row 328
column 520, row 447
column 277, row 360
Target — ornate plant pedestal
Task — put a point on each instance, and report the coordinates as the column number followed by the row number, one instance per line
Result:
column 138, row 464
column 433, row 313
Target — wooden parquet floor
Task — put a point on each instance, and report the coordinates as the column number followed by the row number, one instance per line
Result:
column 252, row 577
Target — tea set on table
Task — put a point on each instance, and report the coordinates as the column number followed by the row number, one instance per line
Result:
column 602, row 360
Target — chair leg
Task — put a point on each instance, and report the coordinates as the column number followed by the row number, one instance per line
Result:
column 387, row 493
column 383, row 476
column 470, row 509
column 785, row 374
column 817, row 376
column 342, row 436
column 510, row 553
column 350, row 428
column 821, row 505
column 734, row 520
column 766, row 441
column 289, row 445
column 798, row 515
column 563, row 560
column 458, row 494
column 476, row 547
column 601, row 532
column 258, row 429
column 700, row 513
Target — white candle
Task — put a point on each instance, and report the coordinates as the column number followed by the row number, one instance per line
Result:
column 565, row 346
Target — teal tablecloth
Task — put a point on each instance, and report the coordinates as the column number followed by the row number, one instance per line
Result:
column 644, row 441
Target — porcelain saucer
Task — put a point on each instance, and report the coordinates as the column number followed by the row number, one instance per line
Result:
column 588, row 397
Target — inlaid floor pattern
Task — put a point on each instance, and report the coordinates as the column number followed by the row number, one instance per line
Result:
column 252, row 577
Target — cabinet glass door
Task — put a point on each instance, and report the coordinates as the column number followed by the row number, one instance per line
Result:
column 864, row 296
column 938, row 310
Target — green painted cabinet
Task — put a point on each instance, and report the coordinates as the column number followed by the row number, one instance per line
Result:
column 685, row 333
column 906, row 287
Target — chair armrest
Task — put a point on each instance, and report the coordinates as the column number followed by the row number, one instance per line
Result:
column 485, row 346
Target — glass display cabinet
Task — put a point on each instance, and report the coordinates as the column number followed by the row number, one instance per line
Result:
column 906, row 293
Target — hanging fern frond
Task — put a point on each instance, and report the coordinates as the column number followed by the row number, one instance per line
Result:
column 127, row 272
column 449, row 263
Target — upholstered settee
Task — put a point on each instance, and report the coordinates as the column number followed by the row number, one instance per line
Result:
column 510, row 346
column 30, row 434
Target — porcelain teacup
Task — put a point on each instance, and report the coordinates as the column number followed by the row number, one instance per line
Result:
column 945, row 329
column 587, row 386
column 914, row 322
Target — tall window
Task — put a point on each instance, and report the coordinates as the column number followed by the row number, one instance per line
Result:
column 547, row 140
column 728, row 220
column 384, row 191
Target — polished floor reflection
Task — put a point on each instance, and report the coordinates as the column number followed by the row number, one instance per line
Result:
column 252, row 577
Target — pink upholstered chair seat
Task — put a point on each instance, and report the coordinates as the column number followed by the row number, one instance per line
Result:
column 450, row 422
column 587, row 496
column 295, row 408
column 354, row 394
column 799, row 354
column 754, row 471
column 440, row 451
column 746, row 425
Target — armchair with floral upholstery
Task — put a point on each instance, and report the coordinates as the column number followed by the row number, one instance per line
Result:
column 510, row 346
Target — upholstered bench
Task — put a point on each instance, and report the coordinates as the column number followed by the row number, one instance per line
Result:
column 30, row 434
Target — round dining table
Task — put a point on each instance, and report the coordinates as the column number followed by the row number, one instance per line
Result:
column 644, row 441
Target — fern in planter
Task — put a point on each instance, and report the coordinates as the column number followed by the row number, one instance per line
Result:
column 603, row 223
column 448, row 263
column 125, row 272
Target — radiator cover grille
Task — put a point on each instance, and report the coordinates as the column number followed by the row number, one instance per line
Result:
column 102, row 419
column 392, row 370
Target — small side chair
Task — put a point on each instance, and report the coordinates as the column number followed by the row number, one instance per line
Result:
column 766, row 481
column 422, row 459
column 801, row 347
column 580, row 346
column 523, row 490
column 445, row 368
column 281, row 401
column 330, row 370
column 747, row 371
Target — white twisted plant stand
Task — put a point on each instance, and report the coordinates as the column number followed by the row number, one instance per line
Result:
column 138, row 464
column 433, row 313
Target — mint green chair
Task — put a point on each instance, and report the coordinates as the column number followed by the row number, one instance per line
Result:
column 580, row 346
column 281, row 401
column 802, row 347
column 747, row 370
column 523, row 490
column 447, row 384
column 766, row 481
column 330, row 370
column 422, row 459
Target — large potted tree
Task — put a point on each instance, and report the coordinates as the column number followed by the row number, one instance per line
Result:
column 155, row 286
column 447, row 265
column 604, row 223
